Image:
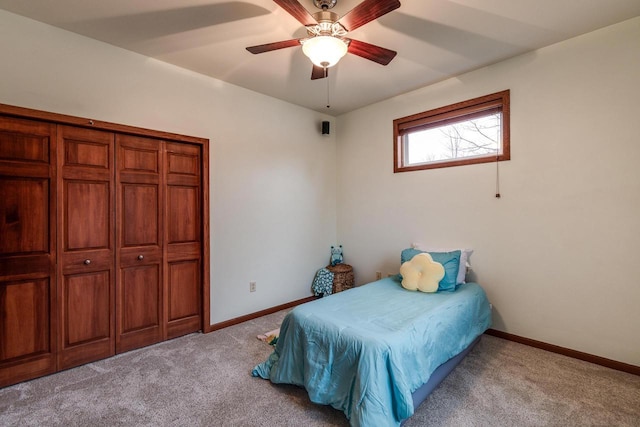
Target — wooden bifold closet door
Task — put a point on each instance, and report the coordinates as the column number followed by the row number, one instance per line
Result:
column 27, row 250
column 184, row 238
column 102, row 246
column 159, row 243
column 140, row 242
column 147, row 219
column 86, row 288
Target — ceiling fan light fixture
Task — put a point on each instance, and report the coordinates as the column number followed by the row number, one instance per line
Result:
column 324, row 51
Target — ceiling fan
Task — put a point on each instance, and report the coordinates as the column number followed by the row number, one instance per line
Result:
column 327, row 41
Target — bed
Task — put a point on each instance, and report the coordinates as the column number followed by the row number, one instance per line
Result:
column 376, row 351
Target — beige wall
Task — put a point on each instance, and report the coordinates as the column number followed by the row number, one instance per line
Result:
column 273, row 214
column 557, row 253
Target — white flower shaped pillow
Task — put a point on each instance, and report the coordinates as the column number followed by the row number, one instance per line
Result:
column 421, row 273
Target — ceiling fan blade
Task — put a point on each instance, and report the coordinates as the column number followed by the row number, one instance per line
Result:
column 261, row 48
column 367, row 11
column 371, row 52
column 319, row 72
column 295, row 9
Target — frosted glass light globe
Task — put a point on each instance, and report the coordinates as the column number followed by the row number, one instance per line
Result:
column 324, row 51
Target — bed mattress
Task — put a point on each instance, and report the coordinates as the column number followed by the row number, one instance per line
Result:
column 366, row 350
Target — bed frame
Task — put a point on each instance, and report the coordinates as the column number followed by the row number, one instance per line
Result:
column 441, row 372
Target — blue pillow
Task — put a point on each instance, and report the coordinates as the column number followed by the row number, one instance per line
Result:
column 449, row 260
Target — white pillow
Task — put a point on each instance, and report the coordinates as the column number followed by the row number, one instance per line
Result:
column 465, row 254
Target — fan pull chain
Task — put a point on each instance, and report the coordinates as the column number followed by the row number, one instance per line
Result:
column 326, row 77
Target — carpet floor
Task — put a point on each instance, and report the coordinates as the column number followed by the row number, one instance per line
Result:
column 204, row 380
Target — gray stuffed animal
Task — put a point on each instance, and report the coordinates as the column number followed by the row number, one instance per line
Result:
column 336, row 255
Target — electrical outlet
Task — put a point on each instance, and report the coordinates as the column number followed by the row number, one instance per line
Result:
column 378, row 275
column 252, row 286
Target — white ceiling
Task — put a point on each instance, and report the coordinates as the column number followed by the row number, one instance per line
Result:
column 435, row 39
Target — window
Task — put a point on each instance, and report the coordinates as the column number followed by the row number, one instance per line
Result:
column 469, row 132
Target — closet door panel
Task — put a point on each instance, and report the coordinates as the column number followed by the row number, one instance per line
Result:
column 27, row 250
column 139, row 258
column 23, row 234
column 24, row 329
column 183, row 215
column 184, row 277
column 25, row 141
column 87, row 215
column 141, row 228
column 86, row 226
column 87, row 318
column 27, row 335
column 139, row 305
column 184, row 239
column 134, row 285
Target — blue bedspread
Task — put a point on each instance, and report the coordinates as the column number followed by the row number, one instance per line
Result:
column 365, row 350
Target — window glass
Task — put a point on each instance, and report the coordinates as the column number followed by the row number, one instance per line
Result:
column 474, row 131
